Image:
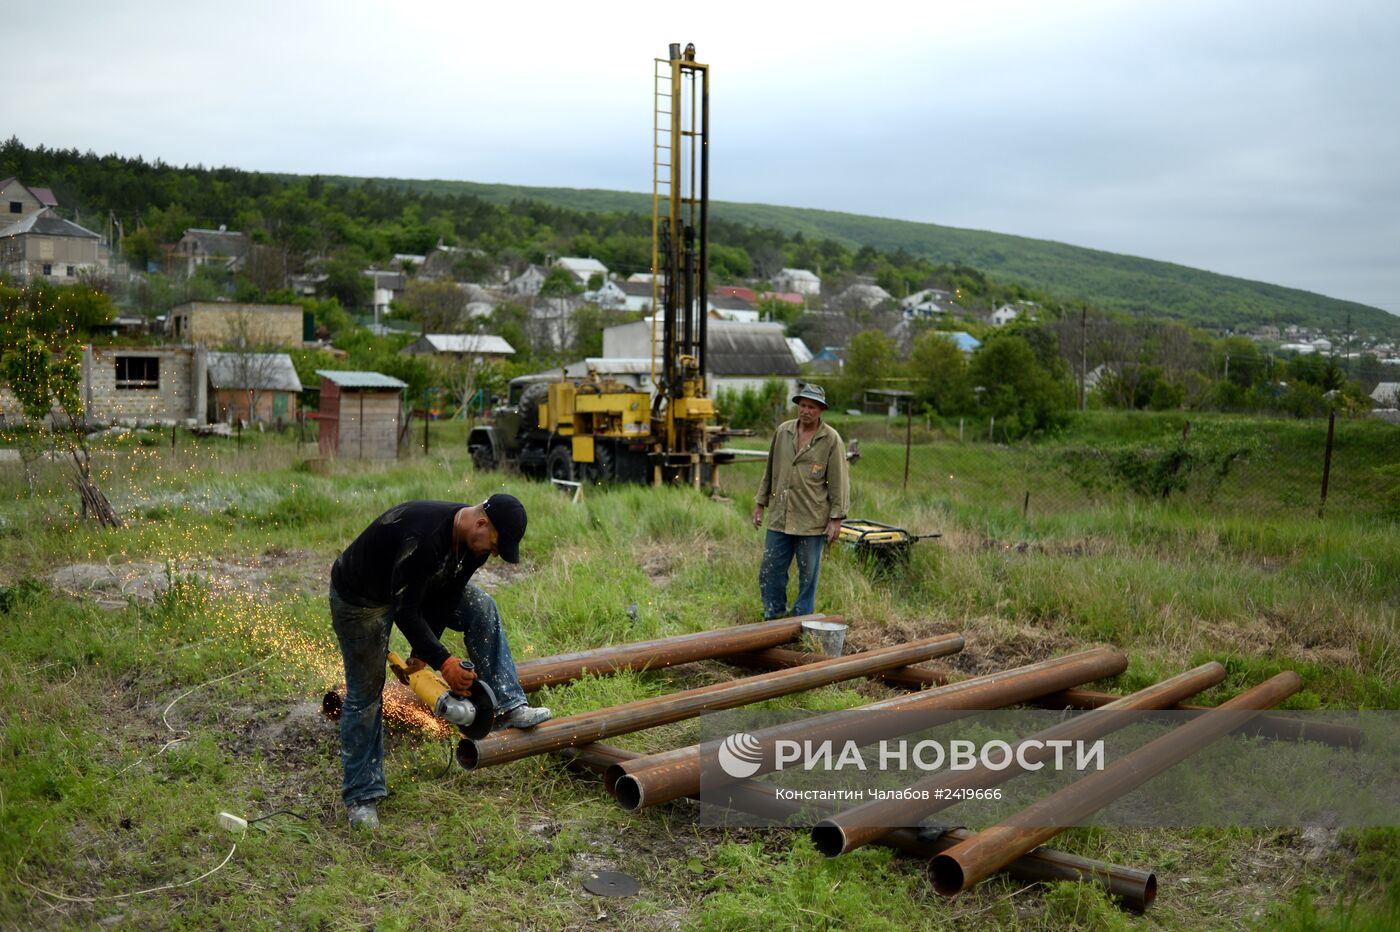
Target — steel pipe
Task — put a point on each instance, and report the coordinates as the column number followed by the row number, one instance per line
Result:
column 1277, row 727
column 970, row 861
column 659, row 778
column 778, row 658
column 513, row 744
column 662, row 652
column 860, row 825
column 1136, row 889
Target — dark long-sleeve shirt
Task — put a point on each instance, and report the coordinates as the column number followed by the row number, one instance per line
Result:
column 406, row 560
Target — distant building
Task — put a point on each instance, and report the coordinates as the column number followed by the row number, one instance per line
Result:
column 361, row 414
column 1005, row 315
column 139, row 385
column 230, row 323
column 733, row 307
column 527, row 282
column 220, row 247
column 1386, row 395
column 865, row 294
column 581, row 269
column 252, row 387
column 737, row 291
column 798, row 281
column 18, row 201
column 45, row 246
column 800, row 353
column 637, row 295
column 481, row 345
column 388, row 287
column 737, row 355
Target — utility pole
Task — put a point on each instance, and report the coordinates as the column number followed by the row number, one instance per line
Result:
column 1083, row 356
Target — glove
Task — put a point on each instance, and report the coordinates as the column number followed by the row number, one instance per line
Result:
column 459, row 675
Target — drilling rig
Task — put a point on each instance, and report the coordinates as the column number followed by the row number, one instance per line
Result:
column 599, row 430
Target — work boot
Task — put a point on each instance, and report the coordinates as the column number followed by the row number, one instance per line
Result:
column 524, row 716
column 364, row 816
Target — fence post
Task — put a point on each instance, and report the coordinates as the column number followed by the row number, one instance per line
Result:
column 1026, row 505
column 1327, row 460
column 992, row 430
column 908, row 441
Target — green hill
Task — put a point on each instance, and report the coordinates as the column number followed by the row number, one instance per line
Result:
column 1144, row 287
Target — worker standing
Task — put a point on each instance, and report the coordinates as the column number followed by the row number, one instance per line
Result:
column 411, row 567
column 807, row 491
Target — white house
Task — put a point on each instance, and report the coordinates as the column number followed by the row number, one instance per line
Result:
column 1387, row 395
column 866, row 294
column 798, row 281
column 485, row 345
column 1005, row 315
column 611, row 294
column 527, row 282
column 927, row 303
column 582, row 269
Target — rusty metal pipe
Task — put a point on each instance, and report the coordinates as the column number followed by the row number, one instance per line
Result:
column 1277, row 727
column 860, row 825
column 659, row 778
column 968, row 862
column 513, row 744
column 779, row 658
column 662, row 652
column 1136, row 889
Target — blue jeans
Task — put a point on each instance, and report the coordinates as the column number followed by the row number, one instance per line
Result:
column 779, row 549
column 363, row 633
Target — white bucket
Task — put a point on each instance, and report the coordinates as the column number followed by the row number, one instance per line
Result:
column 830, row 636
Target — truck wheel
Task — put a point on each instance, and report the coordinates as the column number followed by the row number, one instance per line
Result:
column 483, row 459
column 559, row 464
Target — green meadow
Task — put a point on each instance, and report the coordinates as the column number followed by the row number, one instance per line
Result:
column 156, row 675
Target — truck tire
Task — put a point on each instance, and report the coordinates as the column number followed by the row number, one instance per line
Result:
column 559, row 464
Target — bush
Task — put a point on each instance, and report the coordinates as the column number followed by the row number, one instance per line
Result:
column 753, row 408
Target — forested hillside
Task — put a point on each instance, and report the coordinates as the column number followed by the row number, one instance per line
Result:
column 341, row 224
column 1142, row 287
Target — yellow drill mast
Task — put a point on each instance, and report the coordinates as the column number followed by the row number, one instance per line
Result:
column 681, row 408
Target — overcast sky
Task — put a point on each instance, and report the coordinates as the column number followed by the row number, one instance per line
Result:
column 1258, row 139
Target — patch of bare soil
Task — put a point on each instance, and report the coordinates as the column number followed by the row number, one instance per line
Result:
column 275, row 572
column 659, row 561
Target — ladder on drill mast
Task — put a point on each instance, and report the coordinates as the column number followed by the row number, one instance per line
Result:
column 679, row 216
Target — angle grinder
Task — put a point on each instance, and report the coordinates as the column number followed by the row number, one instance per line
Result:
column 474, row 714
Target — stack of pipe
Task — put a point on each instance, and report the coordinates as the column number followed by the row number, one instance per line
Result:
column 512, row 744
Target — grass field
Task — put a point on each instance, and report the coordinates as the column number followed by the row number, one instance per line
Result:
column 154, row 676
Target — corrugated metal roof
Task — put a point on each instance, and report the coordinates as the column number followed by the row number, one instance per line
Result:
column 348, row 378
column 463, row 343
column 270, row 371
column 748, row 349
column 46, row 224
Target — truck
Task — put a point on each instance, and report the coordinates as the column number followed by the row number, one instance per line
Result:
column 602, row 430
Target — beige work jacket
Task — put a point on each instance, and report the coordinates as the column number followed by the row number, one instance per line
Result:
column 804, row 489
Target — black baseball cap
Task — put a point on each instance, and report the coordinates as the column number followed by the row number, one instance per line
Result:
column 508, row 518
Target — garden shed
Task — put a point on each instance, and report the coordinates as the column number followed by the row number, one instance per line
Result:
column 361, row 413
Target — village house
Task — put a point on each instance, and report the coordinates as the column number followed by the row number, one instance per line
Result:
column 19, row 201
column 45, row 246
column 798, row 281
column 252, row 387
column 230, row 323
column 481, row 346
column 582, row 269
column 528, row 282
column 140, row 385
column 738, row 355
column 220, row 247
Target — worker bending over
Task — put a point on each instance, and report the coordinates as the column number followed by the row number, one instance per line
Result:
column 412, row 568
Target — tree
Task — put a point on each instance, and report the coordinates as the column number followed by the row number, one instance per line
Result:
column 46, row 378
column 560, row 283
column 870, row 357
column 1016, row 390
column 439, row 306
column 939, row 369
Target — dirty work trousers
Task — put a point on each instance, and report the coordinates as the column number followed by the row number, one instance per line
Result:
column 779, row 549
column 363, row 632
